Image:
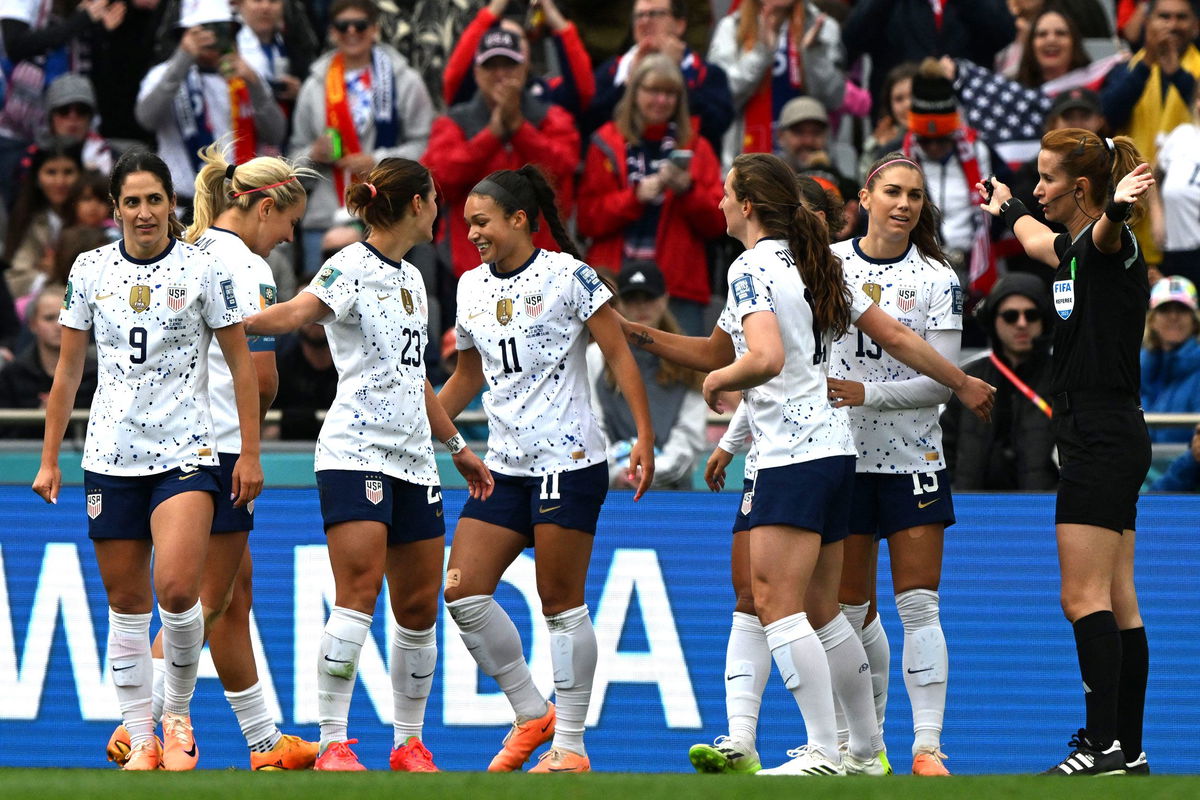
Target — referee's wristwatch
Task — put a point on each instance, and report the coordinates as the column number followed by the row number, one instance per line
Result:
column 455, row 444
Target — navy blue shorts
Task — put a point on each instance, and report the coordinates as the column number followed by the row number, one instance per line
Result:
column 570, row 500
column 119, row 506
column 741, row 522
column 813, row 495
column 228, row 519
column 887, row 503
column 411, row 512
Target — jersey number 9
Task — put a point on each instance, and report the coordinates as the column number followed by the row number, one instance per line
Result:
column 137, row 340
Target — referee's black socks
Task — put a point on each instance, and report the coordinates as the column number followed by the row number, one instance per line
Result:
column 1135, row 666
column 1098, row 642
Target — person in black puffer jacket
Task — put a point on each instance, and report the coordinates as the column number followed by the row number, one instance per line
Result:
column 1015, row 450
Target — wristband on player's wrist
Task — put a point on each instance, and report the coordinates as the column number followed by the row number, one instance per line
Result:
column 455, row 444
column 1118, row 212
column 1012, row 210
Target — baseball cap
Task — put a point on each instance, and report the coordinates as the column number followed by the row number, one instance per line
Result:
column 70, row 88
column 802, row 109
column 642, row 277
column 1174, row 289
column 499, row 42
column 1072, row 99
column 201, row 12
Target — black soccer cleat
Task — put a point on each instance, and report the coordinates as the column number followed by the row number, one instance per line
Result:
column 1089, row 759
column 1139, row 766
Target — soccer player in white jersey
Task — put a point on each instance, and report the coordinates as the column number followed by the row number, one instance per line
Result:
column 795, row 550
column 150, row 460
column 747, row 659
column 902, row 493
column 240, row 214
column 524, row 316
column 381, row 500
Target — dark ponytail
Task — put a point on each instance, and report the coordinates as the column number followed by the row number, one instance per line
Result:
column 528, row 190
column 826, row 201
column 770, row 187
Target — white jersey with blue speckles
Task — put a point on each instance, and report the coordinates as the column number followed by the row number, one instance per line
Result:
column 152, row 320
column 377, row 333
column 529, row 328
column 790, row 417
column 924, row 296
column 255, row 287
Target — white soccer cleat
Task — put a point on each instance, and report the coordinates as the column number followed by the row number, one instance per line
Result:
column 809, row 761
column 875, row 766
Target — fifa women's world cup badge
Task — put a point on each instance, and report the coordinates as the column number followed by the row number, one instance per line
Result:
column 504, row 310
column 139, row 298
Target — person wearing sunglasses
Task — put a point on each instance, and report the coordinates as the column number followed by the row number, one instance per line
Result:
column 360, row 104
column 1016, row 451
column 71, row 101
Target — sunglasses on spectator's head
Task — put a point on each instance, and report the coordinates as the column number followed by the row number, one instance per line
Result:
column 1011, row 316
column 359, row 25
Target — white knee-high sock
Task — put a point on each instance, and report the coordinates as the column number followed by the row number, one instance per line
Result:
column 256, row 722
column 851, row 677
column 855, row 614
column 879, row 653
column 926, row 665
column 337, row 667
column 573, row 654
column 747, row 667
column 132, row 673
column 801, row 661
column 183, row 638
column 493, row 640
column 160, row 676
column 414, row 660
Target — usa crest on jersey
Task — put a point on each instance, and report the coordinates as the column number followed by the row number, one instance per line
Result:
column 374, row 489
column 906, row 298
column 504, row 310
column 139, row 298
column 94, row 502
column 176, row 297
column 533, row 305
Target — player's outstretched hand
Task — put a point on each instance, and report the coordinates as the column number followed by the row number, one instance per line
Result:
column 47, row 483
column 247, row 480
column 979, row 396
column 479, row 478
column 714, row 470
column 641, row 467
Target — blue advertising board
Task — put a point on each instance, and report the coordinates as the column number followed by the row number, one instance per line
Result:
column 660, row 596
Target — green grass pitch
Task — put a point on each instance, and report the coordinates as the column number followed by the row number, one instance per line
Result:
column 43, row 784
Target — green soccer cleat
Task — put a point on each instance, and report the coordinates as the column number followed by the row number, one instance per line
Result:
column 724, row 755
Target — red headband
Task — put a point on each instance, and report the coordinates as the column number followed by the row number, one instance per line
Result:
column 264, row 188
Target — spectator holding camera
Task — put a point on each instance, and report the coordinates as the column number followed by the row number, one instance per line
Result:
column 1015, row 452
column 504, row 126
column 278, row 43
column 206, row 91
column 573, row 90
column 650, row 189
column 360, row 104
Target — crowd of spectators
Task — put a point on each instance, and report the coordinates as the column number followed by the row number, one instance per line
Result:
column 635, row 109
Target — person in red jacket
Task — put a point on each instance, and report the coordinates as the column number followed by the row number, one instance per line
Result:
column 573, row 90
column 650, row 189
column 504, row 126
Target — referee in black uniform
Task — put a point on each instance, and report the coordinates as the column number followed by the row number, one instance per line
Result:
column 1090, row 185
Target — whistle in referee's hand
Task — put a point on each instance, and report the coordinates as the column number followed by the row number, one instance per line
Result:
column 988, row 190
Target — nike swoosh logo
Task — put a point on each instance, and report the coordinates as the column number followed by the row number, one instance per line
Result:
column 189, row 475
column 421, row 677
column 191, row 753
column 562, row 769
column 915, row 671
column 545, row 728
column 544, row 510
column 927, row 504
column 742, row 675
column 439, row 513
column 122, row 669
column 382, row 296
column 103, row 296
column 181, row 666
column 337, row 660
column 477, row 314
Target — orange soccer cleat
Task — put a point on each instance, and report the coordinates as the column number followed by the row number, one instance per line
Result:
column 118, row 746
column 180, row 752
column 555, row 760
column 338, row 757
column 412, row 756
column 147, row 755
column 522, row 740
column 929, row 763
column 290, row 752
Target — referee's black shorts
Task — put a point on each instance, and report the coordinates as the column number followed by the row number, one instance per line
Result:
column 1104, row 455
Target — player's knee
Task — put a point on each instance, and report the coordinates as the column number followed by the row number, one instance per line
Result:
column 176, row 596
column 454, row 589
column 417, row 610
